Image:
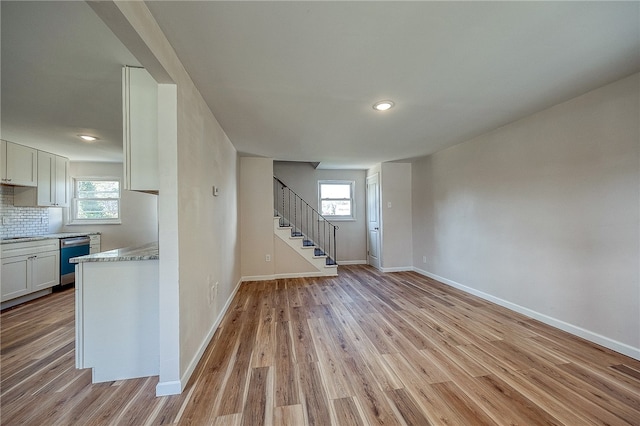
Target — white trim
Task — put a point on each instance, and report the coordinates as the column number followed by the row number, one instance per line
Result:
column 338, row 218
column 169, row 388
column 291, row 275
column 258, row 278
column 176, row 387
column 73, row 204
column 607, row 342
column 26, row 298
column 397, row 269
column 352, row 262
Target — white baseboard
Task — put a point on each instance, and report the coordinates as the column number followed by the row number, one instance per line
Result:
column 169, row 388
column 397, row 269
column 291, row 275
column 25, row 298
column 176, row 387
column 607, row 342
column 352, row 262
column 258, row 278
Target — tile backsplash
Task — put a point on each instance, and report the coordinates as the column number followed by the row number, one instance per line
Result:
column 20, row 221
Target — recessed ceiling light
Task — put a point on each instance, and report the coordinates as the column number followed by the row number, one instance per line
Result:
column 88, row 138
column 383, row 105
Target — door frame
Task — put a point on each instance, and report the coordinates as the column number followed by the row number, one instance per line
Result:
column 375, row 176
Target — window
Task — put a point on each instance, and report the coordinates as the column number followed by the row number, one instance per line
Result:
column 95, row 200
column 335, row 198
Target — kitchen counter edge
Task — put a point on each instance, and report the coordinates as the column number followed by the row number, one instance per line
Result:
column 147, row 251
column 47, row 237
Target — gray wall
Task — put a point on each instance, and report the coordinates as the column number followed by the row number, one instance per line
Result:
column 543, row 215
column 303, row 179
column 256, row 218
column 198, row 233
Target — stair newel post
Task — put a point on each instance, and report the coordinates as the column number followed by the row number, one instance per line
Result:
column 329, row 245
column 289, row 206
column 324, row 234
column 315, row 235
column 335, row 249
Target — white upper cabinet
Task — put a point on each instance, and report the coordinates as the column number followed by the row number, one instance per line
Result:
column 18, row 164
column 140, row 130
column 62, row 181
column 53, row 187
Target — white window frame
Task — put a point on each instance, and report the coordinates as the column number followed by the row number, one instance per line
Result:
column 352, row 184
column 74, row 201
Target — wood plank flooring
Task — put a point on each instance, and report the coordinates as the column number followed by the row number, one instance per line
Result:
column 364, row 348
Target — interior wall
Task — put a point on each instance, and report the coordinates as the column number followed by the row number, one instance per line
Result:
column 395, row 207
column 303, row 179
column 201, row 236
column 256, row 217
column 543, row 215
column 139, row 211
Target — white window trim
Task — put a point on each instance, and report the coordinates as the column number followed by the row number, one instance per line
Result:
column 339, row 218
column 71, row 220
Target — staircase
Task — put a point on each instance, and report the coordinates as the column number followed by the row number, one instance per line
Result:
column 304, row 229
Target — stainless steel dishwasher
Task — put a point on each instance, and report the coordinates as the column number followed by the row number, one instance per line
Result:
column 71, row 247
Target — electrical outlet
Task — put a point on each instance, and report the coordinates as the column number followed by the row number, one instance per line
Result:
column 267, row 258
column 424, row 259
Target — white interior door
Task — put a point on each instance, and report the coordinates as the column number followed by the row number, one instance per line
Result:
column 373, row 221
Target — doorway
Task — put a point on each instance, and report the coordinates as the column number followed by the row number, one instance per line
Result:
column 373, row 220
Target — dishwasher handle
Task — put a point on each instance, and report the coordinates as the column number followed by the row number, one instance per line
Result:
column 74, row 241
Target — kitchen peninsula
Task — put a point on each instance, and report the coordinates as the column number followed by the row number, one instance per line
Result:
column 117, row 328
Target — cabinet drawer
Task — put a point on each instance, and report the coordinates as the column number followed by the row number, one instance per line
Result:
column 29, row 247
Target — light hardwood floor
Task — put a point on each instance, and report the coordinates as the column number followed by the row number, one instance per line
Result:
column 362, row 348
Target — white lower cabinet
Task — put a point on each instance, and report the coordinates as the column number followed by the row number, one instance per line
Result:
column 29, row 267
column 45, row 270
column 16, row 277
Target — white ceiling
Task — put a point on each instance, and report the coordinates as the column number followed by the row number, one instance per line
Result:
column 296, row 80
column 61, row 72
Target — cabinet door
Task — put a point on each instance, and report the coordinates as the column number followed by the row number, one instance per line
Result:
column 45, row 270
column 20, row 165
column 46, row 179
column 140, row 130
column 16, row 276
column 3, row 161
column 61, row 182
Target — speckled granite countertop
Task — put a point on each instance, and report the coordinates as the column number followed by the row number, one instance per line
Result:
column 144, row 252
column 45, row 237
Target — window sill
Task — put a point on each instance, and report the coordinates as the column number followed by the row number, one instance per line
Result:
column 94, row 222
column 338, row 219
